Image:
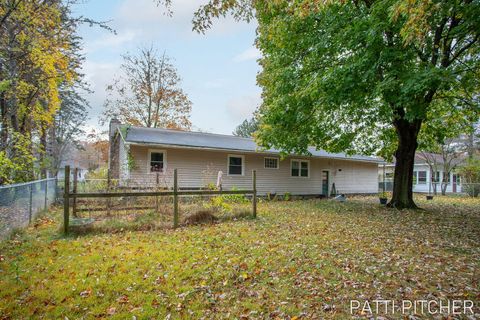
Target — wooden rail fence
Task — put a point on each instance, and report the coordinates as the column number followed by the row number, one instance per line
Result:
column 73, row 195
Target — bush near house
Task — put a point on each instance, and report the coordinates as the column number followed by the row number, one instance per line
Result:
column 470, row 174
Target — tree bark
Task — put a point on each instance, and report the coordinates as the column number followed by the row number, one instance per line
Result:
column 444, row 187
column 407, row 133
column 4, row 121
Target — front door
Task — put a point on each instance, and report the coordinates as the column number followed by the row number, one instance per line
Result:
column 454, row 182
column 325, row 183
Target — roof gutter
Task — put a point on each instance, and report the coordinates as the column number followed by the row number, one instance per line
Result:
column 178, row 146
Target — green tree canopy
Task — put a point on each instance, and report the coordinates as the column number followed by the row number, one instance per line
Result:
column 364, row 76
column 247, row 128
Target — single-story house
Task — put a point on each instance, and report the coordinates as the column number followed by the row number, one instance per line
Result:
column 147, row 156
column 425, row 180
column 81, row 170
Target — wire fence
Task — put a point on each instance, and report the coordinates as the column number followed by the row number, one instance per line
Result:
column 110, row 205
column 468, row 189
column 21, row 203
column 471, row 189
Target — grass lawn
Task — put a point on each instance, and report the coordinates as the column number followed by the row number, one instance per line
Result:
column 300, row 259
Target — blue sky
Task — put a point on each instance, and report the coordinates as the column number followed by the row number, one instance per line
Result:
column 218, row 69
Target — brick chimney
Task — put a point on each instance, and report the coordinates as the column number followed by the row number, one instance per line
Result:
column 114, row 124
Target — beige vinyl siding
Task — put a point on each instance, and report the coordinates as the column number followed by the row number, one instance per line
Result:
column 355, row 177
column 198, row 168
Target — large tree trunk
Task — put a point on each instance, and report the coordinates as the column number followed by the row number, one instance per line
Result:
column 4, row 121
column 407, row 133
column 444, row 188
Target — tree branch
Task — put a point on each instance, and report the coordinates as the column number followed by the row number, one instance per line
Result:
column 462, row 50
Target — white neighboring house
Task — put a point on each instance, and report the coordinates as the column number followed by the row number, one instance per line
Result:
column 144, row 156
column 82, row 171
column 424, row 180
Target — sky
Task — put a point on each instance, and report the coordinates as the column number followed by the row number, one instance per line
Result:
column 218, row 68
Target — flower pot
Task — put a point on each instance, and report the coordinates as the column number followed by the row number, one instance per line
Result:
column 383, row 200
column 429, row 197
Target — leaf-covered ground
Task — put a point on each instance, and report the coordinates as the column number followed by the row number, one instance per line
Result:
column 301, row 259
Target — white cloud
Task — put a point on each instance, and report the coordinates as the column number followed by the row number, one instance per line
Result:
column 111, row 40
column 151, row 19
column 251, row 53
column 99, row 75
column 215, row 84
column 141, row 22
column 242, row 107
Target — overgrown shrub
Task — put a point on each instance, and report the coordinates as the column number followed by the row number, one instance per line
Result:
column 470, row 174
column 224, row 202
column 271, row 196
column 218, row 203
column 100, row 173
column 211, row 186
column 234, row 198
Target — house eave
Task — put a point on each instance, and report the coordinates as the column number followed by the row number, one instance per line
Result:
column 261, row 152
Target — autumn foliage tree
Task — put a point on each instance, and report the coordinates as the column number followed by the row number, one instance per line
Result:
column 98, row 144
column 32, row 63
column 148, row 93
column 39, row 55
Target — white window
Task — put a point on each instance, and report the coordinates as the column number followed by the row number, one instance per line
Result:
column 445, row 178
column 157, row 160
column 271, row 163
column 422, row 177
column 236, row 165
column 300, row 168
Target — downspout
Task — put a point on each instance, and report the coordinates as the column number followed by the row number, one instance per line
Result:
column 384, row 182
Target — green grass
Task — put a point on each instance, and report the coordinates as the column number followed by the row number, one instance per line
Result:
column 303, row 259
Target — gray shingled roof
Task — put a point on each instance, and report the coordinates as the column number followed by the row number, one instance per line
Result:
column 166, row 137
column 421, row 159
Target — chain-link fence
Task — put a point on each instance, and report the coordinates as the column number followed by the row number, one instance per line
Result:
column 385, row 186
column 21, row 203
column 468, row 189
column 471, row 189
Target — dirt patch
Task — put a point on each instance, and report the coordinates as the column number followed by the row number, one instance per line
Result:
column 200, row 217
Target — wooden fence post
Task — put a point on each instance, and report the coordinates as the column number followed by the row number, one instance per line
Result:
column 66, row 200
column 108, row 190
column 156, row 189
column 30, row 209
column 175, row 199
column 254, row 202
column 75, row 181
column 46, row 195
